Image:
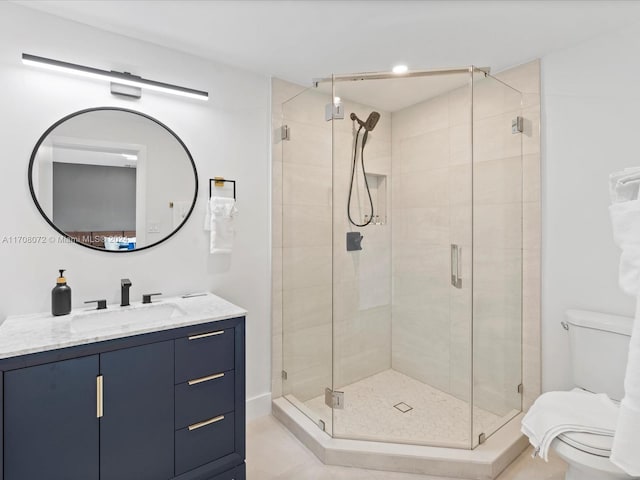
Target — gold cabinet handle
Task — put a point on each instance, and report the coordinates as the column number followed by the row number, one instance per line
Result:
column 205, row 335
column 205, row 379
column 99, row 396
column 196, row 426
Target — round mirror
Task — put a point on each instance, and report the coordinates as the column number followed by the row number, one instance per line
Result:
column 113, row 179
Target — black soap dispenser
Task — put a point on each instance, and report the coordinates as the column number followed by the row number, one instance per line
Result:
column 61, row 297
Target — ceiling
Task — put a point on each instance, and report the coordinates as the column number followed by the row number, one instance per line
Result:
column 300, row 40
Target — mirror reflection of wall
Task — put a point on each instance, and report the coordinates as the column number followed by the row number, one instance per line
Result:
column 116, row 175
column 89, row 198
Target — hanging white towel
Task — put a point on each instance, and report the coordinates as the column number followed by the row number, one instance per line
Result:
column 207, row 216
column 555, row 413
column 624, row 185
column 625, row 452
column 625, row 219
column 223, row 211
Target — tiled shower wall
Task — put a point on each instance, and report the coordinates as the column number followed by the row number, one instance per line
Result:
column 497, row 247
column 526, row 78
column 431, row 209
column 443, row 359
column 431, row 198
column 362, row 279
column 305, row 255
column 316, row 281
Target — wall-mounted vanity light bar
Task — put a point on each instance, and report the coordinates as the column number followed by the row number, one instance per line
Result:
column 111, row 76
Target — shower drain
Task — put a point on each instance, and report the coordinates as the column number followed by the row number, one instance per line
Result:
column 403, row 407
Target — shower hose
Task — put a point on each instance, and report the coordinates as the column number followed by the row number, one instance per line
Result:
column 364, row 175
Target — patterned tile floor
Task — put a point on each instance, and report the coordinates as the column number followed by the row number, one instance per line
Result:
column 435, row 417
column 273, row 453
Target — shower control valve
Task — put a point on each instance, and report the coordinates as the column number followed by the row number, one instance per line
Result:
column 354, row 241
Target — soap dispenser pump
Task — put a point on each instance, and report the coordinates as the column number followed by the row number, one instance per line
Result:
column 61, row 297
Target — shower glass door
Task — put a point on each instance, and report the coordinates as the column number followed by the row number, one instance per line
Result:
column 497, row 254
column 401, row 256
column 306, row 290
column 402, row 298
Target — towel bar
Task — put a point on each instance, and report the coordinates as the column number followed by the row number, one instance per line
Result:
column 219, row 182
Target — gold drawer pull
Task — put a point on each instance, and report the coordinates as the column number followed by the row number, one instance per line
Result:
column 99, row 396
column 205, row 379
column 205, row 335
column 195, row 426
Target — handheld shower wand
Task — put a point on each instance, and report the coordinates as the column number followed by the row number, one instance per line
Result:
column 369, row 124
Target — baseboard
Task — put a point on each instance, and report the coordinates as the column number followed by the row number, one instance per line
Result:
column 258, row 406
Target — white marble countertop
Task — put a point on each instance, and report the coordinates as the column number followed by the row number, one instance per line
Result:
column 34, row 333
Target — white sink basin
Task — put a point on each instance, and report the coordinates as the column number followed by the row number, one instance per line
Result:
column 125, row 317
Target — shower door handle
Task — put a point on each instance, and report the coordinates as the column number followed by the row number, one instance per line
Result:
column 456, row 265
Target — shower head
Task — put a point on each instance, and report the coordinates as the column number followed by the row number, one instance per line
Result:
column 370, row 123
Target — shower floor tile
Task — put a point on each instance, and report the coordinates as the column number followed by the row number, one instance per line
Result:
column 436, row 418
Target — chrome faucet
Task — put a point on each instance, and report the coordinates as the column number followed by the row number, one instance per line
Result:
column 125, row 285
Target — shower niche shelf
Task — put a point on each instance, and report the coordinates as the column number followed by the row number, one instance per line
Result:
column 378, row 188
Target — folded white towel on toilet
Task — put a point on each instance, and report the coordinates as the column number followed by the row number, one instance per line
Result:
column 625, row 452
column 555, row 413
column 221, row 213
column 625, row 220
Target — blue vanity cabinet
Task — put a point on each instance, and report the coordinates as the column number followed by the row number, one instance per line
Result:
column 50, row 421
column 60, row 424
column 210, row 403
column 167, row 405
column 136, row 428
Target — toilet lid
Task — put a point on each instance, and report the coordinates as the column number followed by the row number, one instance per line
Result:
column 589, row 443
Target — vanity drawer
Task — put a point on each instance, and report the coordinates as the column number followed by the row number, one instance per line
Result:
column 204, row 353
column 205, row 397
column 205, row 442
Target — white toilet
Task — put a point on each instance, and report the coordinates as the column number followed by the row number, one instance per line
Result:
column 599, row 346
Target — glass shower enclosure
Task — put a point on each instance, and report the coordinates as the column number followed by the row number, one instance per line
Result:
column 402, row 256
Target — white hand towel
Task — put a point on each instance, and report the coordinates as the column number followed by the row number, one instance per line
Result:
column 625, row 220
column 223, row 212
column 625, row 452
column 554, row 413
column 624, row 185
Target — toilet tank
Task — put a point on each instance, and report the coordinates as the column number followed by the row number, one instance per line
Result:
column 599, row 345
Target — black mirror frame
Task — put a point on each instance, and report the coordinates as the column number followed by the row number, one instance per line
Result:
column 95, row 109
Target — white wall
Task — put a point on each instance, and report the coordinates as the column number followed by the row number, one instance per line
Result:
column 227, row 136
column 591, row 127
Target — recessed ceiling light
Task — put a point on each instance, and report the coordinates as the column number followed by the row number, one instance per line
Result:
column 400, row 69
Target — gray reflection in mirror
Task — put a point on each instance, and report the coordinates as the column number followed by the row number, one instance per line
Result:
column 111, row 179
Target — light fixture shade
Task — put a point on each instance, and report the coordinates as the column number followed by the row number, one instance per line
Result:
column 119, row 77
